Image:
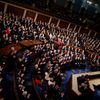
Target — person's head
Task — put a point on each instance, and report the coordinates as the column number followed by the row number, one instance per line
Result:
column 12, row 48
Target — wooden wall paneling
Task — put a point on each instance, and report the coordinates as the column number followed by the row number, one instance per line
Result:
column 15, row 10
column 77, row 28
column 42, row 18
column 54, row 21
column 92, row 34
column 72, row 25
column 86, row 31
column 97, row 35
column 82, row 30
column 63, row 24
column 2, row 6
column 30, row 14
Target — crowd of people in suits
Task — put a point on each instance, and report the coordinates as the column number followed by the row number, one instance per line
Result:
column 62, row 51
column 91, row 45
column 83, row 82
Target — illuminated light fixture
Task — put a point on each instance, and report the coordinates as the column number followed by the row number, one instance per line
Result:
column 89, row 2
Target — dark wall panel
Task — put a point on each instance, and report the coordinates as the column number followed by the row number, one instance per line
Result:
column 86, row 31
column 92, row 33
column 54, row 21
column 63, row 24
column 72, row 26
column 77, row 28
column 15, row 10
column 30, row 14
column 2, row 6
column 82, row 30
column 42, row 18
column 98, row 35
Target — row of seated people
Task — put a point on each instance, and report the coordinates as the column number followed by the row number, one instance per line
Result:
column 24, row 71
column 83, row 84
column 59, row 58
column 66, row 55
column 20, row 83
column 23, row 74
column 25, row 62
column 48, row 76
column 2, row 67
column 14, row 58
column 6, row 77
column 48, row 73
column 14, row 29
column 90, row 44
column 92, row 47
column 95, row 60
column 50, row 63
column 49, row 70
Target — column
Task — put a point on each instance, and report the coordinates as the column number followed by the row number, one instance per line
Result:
column 50, row 20
column 5, row 8
column 35, row 17
column 24, row 14
column 68, row 26
column 89, row 32
column 79, row 29
column 74, row 28
column 58, row 22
